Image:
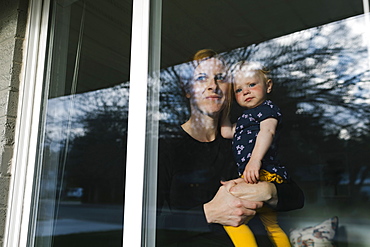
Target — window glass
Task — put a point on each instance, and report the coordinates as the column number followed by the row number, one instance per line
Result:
column 82, row 151
column 321, row 81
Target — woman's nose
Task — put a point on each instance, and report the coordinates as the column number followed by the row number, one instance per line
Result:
column 212, row 84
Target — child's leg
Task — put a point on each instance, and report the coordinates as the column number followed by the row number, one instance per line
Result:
column 276, row 234
column 241, row 236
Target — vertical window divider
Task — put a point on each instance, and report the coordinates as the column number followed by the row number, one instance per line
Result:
column 133, row 213
column 152, row 130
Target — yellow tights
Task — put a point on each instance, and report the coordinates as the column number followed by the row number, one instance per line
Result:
column 242, row 236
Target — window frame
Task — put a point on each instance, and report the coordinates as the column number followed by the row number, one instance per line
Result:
column 23, row 181
column 144, row 59
column 137, row 111
column 27, row 125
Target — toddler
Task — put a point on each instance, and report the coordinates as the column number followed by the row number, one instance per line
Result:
column 254, row 145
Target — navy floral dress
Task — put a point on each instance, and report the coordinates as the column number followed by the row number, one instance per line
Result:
column 247, row 128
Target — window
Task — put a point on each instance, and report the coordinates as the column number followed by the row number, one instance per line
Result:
column 321, row 81
column 79, row 195
column 319, row 63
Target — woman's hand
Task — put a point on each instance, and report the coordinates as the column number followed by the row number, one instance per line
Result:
column 228, row 210
column 261, row 191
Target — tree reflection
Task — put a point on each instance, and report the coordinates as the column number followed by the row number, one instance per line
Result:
column 96, row 161
column 321, row 83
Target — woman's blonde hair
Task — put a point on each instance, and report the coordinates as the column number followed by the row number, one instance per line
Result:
column 204, row 53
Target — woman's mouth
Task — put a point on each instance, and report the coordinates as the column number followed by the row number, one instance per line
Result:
column 213, row 97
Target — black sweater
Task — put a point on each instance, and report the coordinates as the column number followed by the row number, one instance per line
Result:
column 189, row 175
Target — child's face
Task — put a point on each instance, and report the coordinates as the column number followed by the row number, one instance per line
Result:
column 250, row 89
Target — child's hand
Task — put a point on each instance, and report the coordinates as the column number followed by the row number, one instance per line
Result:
column 251, row 172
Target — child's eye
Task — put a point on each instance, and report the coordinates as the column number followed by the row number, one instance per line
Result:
column 252, row 84
column 238, row 90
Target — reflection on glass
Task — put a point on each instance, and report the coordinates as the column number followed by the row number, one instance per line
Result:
column 322, row 84
column 82, row 163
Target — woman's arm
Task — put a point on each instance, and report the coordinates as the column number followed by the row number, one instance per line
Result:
column 228, row 210
column 224, row 209
column 174, row 226
column 282, row 197
column 290, row 196
column 227, row 128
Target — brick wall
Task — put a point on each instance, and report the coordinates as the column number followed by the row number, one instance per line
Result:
column 13, row 19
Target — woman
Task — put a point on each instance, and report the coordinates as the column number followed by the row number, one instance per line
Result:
column 192, row 204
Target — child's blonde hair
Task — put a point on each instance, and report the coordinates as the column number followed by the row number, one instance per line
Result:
column 250, row 67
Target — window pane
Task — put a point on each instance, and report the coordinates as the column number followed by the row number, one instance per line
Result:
column 80, row 183
column 320, row 72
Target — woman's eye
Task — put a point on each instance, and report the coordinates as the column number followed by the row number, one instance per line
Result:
column 220, row 77
column 238, row 90
column 201, row 78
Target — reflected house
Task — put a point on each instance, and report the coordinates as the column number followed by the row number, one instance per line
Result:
column 75, row 192
column 64, row 109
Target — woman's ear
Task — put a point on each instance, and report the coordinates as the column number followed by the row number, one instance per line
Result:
column 186, row 91
column 269, row 84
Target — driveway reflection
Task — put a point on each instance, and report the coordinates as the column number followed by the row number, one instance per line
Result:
column 82, row 218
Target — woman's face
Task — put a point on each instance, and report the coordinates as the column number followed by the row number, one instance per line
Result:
column 209, row 88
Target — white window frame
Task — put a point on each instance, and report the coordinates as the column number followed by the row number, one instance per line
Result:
column 136, row 121
column 27, row 125
column 141, row 164
column 22, row 184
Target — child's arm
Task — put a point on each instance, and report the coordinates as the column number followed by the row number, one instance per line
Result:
column 263, row 143
column 227, row 128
